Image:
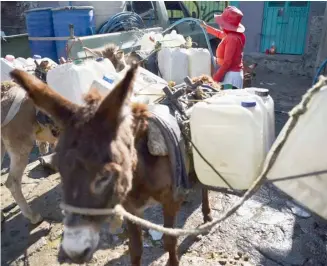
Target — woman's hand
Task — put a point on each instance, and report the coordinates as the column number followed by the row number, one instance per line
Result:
column 203, row 24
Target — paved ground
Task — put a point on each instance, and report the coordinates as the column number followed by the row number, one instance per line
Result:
column 263, row 232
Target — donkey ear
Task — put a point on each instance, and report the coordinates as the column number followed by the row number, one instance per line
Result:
column 112, row 105
column 49, row 101
column 93, row 52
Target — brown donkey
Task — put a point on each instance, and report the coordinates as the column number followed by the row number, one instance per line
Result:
column 103, row 158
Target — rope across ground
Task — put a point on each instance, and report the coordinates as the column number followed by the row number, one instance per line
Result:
column 272, row 156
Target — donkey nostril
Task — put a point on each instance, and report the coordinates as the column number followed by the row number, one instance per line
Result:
column 86, row 252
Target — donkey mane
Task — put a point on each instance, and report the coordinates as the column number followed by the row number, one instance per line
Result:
column 140, row 111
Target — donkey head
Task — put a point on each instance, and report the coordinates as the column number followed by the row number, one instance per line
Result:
column 95, row 155
column 113, row 53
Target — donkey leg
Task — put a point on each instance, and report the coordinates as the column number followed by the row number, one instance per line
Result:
column 3, row 151
column 206, row 210
column 18, row 163
column 170, row 242
column 43, row 148
column 135, row 243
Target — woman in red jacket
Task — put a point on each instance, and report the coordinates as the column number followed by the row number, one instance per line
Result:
column 229, row 52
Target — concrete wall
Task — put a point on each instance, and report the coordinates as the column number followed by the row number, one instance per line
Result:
column 252, row 20
column 322, row 52
column 315, row 30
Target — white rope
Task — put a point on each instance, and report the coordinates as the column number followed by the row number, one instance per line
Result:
column 297, row 111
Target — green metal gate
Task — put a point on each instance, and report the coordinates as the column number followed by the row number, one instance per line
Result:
column 285, row 25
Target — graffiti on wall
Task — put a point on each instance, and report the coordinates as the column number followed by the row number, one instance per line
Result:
column 205, row 10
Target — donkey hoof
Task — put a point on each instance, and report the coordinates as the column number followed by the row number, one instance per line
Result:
column 3, row 218
column 208, row 218
column 36, row 218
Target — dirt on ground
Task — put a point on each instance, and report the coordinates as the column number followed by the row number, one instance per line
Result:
column 267, row 230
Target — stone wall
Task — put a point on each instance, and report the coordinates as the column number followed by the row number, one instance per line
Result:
column 315, row 31
column 13, row 17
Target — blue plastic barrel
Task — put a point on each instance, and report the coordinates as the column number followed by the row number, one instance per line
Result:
column 39, row 24
column 82, row 17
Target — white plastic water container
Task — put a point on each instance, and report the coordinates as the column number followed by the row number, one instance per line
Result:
column 104, row 86
column 147, row 87
column 268, row 120
column 102, row 65
column 73, row 80
column 270, row 107
column 26, row 62
column 8, row 64
column 199, row 62
column 173, row 64
column 236, row 97
column 173, row 39
column 177, row 63
column 29, row 64
column 149, row 40
column 107, row 83
column 305, row 152
column 230, row 137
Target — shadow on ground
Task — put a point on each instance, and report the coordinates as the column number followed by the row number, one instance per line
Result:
column 21, row 240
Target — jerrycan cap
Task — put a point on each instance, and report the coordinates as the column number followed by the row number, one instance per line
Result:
column 109, row 80
column 36, row 56
column 78, row 61
column 10, row 58
column 99, row 59
column 248, row 104
column 261, row 92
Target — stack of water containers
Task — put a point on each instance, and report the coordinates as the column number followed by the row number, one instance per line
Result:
column 9, row 63
column 176, row 63
column 73, row 80
column 234, row 131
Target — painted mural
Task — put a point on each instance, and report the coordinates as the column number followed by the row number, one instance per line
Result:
column 205, row 10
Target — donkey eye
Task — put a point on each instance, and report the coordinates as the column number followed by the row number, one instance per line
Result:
column 104, row 178
column 101, row 182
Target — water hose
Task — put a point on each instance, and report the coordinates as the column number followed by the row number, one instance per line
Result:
column 197, row 21
column 122, row 21
column 322, row 66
